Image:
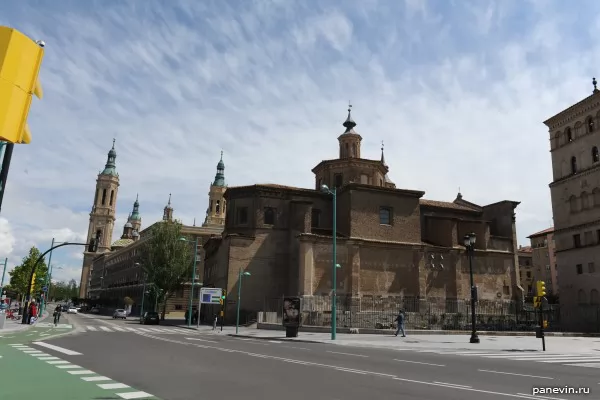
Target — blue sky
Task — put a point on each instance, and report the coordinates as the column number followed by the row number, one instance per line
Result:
column 457, row 90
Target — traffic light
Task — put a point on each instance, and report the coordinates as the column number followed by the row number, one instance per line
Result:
column 221, row 300
column 537, row 301
column 541, row 288
column 20, row 62
column 545, row 325
column 223, row 295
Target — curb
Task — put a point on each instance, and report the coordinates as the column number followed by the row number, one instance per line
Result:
column 276, row 338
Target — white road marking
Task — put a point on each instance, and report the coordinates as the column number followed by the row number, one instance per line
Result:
column 81, row 372
column 113, row 386
column 346, row 354
column 570, row 360
column 105, row 329
column 200, row 340
column 299, row 348
column 48, row 358
column 134, row 395
column 40, row 354
column 512, row 373
column 274, row 341
column 71, row 366
column 32, row 351
column 453, row 384
column 418, row 362
column 131, row 329
column 96, row 378
column 57, row 362
column 57, row 348
column 536, row 397
column 589, row 365
column 119, row 329
column 91, row 328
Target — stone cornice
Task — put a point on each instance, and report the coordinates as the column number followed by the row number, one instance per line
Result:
column 580, row 173
column 351, row 162
column 573, row 112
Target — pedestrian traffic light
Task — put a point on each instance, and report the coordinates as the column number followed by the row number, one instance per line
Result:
column 545, row 325
column 20, row 62
column 541, row 288
column 221, row 301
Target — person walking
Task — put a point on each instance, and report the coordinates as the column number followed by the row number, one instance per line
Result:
column 57, row 312
column 400, row 320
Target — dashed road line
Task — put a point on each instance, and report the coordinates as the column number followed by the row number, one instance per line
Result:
column 347, row 354
column 57, row 348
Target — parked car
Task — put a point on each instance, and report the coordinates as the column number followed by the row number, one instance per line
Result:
column 95, row 310
column 150, row 318
column 120, row 313
column 72, row 310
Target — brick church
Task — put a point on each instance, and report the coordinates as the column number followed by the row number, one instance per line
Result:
column 390, row 241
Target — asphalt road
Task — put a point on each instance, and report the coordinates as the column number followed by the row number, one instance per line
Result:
column 175, row 365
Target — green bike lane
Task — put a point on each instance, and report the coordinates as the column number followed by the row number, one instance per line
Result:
column 29, row 370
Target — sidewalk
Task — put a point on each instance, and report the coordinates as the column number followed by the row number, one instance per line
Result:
column 11, row 326
column 434, row 342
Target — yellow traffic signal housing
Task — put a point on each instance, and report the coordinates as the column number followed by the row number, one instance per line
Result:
column 32, row 284
column 541, row 288
column 20, row 62
column 545, row 325
column 221, row 301
column 536, row 302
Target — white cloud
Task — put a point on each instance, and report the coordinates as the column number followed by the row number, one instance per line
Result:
column 458, row 92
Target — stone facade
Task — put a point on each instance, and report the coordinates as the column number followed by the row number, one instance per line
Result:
column 575, row 190
column 390, row 241
column 544, row 259
column 526, row 271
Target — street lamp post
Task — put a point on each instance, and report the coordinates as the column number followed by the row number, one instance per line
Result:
column 47, row 281
column 189, row 317
column 239, row 299
column 333, row 192
column 469, row 242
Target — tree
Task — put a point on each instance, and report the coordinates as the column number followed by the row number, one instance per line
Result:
column 167, row 261
column 19, row 276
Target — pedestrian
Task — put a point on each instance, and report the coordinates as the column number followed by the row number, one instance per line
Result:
column 57, row 312
column 32, row 313
column 215, row 322
column 400, row 320
column 195, row 317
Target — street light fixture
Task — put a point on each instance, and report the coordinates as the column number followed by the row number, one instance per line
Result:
column 469, row 242
column 239, row 299
column 191, row 300
column 333, row 193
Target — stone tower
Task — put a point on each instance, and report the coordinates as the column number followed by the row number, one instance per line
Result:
column 135, row 219
column 102, row 217
column 215, row 214
column 168, row 211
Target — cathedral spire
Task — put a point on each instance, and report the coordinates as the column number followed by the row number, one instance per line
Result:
column 220, row 176
column 110, row 167
column 349, row 123
column 382, row 156
column 135, row 213
column 168, row 211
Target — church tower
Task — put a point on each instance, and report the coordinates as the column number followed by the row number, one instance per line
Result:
column 215, row 214
column 135, row 219
column 168, row 211
column 349, row 140
column 102, row 216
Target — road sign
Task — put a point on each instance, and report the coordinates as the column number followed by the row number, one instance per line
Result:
column 210, row 295
column 45, row 289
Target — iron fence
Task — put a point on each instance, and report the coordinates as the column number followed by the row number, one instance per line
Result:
column 372, row 312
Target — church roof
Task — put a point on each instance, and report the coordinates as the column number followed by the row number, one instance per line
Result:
column 444, row 204
column 121, row 243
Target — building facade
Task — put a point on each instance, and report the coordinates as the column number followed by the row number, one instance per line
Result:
column 117, row 273
column 390, row 242
column 545, row 267
column 526, row 271
column 575, row 191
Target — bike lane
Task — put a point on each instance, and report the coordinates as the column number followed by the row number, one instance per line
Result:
column 28, row 376
column 40, row 331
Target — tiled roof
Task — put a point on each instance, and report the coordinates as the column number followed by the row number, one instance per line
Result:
column 525, row 249
column 445, row 204
column 273, row 186
column 540, row 233
column 122, row 243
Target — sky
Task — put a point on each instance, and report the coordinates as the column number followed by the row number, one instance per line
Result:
column 457, row 91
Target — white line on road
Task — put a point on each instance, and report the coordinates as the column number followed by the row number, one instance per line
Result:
column 134, row 395
column 71, row 366
column 299, row 348
column 453, row 384
column 274, row 341
column 48, row 358
column 113, row 386
column 119, row 329
column 570, row 360
column 200, row 340
column 96, row 378
column 536, row 397
column 57, row 348
column 418, row 362
column 81, row 372
column 346, row 354
column 512, row 373
column 105, row 329
column 57, row 362
column 91, row 328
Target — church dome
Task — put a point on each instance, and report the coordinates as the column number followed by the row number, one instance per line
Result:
column 128, row 225
column 121, row 243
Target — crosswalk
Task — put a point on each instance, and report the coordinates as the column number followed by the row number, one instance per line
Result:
column 571, row 359
column 127, row 329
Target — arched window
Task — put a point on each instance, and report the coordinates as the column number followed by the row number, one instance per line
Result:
column 556, row 140
column 594, row 299
column 218, row 207
column 569, row 135
column 590, row 124
column 573, row 204
column 595, row 155
column 112, row 197
column 103, row 197
column 585, row 200
column 573, row 165
column 581, row 297
column 355, row 150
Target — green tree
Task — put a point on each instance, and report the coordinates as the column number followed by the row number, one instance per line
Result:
column 167, row 261
column 19, row 276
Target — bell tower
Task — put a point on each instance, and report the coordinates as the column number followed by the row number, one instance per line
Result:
column 102, row 216
column 349, row 140
column 215, row 214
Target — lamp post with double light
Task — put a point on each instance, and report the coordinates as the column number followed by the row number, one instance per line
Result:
column 334, row 264
column 469, row 242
